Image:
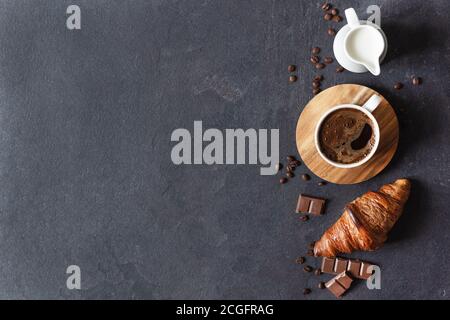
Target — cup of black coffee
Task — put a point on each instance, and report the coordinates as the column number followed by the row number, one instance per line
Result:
column 348, row 135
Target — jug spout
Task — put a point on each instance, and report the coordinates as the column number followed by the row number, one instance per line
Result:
column 373, row 67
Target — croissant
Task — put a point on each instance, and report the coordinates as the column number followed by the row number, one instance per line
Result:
column 366, row 221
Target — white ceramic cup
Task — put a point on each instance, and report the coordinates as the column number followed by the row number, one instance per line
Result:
column 371, row 104
column 364, row 44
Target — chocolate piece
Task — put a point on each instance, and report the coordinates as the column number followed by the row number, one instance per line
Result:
column 340, row 265
column 355, row 268
column 339, row 284
column 364, row 272
column 307, row 204
column 327, row 265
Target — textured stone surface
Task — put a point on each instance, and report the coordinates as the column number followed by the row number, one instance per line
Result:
column 85, row 169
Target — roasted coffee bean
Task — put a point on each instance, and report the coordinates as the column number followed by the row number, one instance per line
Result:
column 326, row 6
column 328, row 60
column 321, row 285
column 321, row 183
column 328, row 17
column 340, row 69
column 297, row 163
column 337, row 18
column 331, row 32
column 314, row 59
column 317, row 272
column 320, row 66
column 292, row 79
column 307, row 269
column 289, row 174
column 312, row 244
column 416, row 81
column 304, row 218
column 306, row 177
column 278, row 166
column 316, row 91
column 290, row 158
column 315, row 51
column 290, row 168
column 335, row 12
column 291, row 68
column 300, row 260
column 316, row 84
column 283, row 180
column 306, row 291
column 310, row 253
column 398, row 86
column 318, row 78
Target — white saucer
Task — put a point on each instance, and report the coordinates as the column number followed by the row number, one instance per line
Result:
column 339, row 54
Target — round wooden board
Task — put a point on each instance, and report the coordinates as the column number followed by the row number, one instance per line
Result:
column 337, row 95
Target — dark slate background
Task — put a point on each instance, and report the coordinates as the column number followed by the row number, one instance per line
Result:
column 85, row 170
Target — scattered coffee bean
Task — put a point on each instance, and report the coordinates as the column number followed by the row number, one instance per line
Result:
column 297, row 163
column 318, row 78
column 292, row 79
column 290, row 168
column 337, row 18
column 300, row 260
column 320, row 66
column 328, row 16
column 291, row 68
column 398, row 86
column 314, row 59
column 306, row 291
column 340, row 69
column 328, row 60
column 316, row 91
column 321, row 183
column 307, row 269
column 283, row 180
column 310, row 253
column 306, row 177
column 326, row 6
column 278, row 166
column 416, row 81
column 321, row 285
column 315, row 51
column 312, row 244
column 331, row 32
column 335, row 12
column 317, row 272
column 289, row 174
column 316, row 84
column 290, row 158
column 304, row 218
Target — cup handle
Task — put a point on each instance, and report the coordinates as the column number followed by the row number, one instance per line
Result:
column 352, row 18
column 373, row 102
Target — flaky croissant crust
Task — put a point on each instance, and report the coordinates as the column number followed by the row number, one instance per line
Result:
column 366, row 221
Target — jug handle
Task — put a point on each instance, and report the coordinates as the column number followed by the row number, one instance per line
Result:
column 352, row 18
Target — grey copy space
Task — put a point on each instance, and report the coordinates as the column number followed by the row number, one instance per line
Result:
column 86, row 175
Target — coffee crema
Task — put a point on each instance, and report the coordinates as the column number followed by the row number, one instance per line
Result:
column 346, row 136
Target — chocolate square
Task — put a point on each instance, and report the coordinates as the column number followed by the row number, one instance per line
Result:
column 364, row 273
column 316, row 207
column 354, row 268
column 327, row 265
column 344, row 279
column 341, row 265
column 335, row 288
